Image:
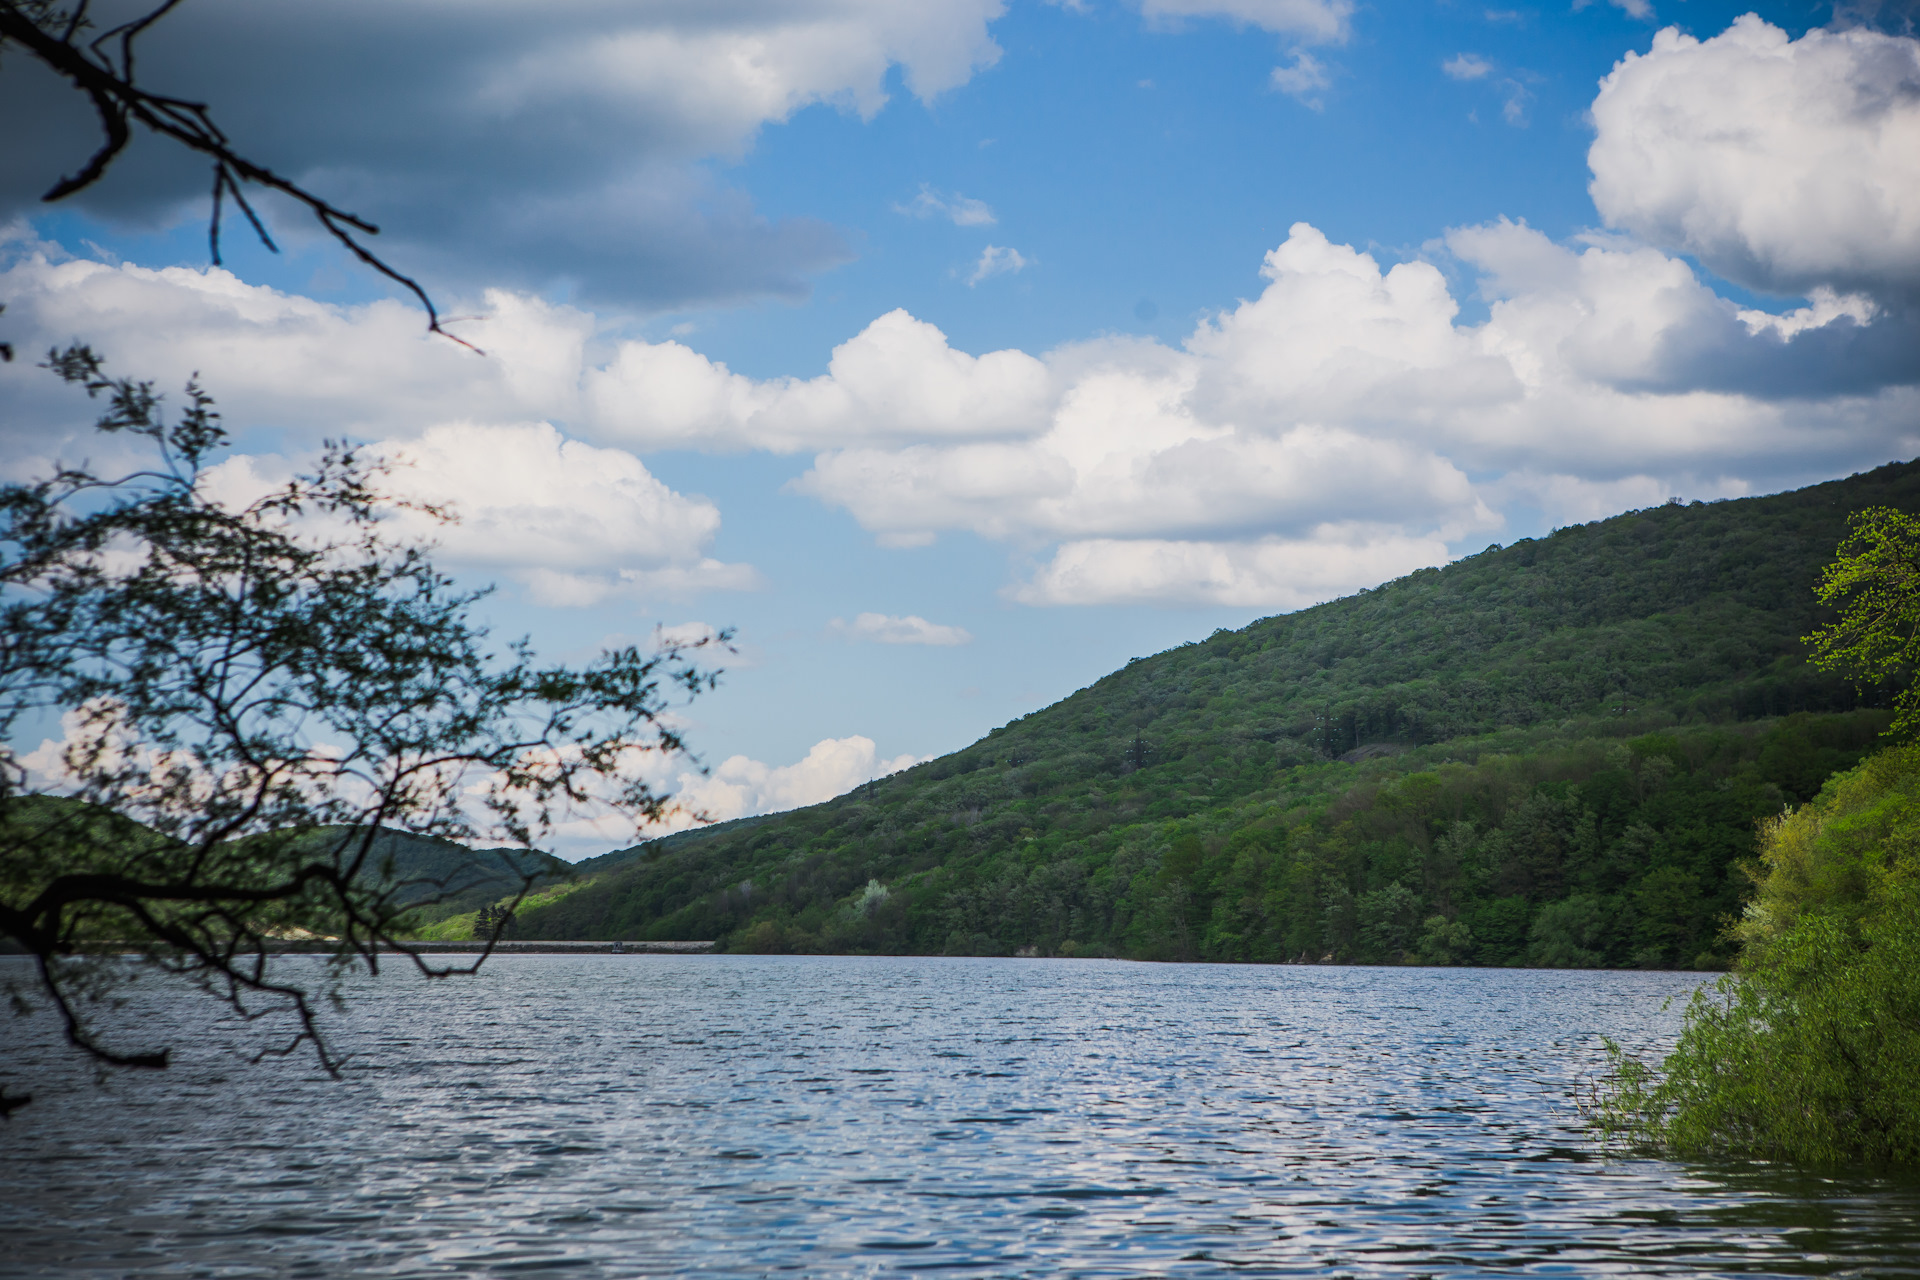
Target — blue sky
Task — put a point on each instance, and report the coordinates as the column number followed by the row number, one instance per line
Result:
column 1289, row 297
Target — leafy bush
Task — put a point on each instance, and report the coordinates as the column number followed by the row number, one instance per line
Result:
column 1812, row 1052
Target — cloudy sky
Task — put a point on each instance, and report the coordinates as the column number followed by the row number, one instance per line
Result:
column 956, row 351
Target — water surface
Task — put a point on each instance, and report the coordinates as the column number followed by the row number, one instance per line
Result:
column 609, row 1116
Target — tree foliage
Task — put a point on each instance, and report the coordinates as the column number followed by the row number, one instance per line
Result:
column 1811, row 1053
column 254, row 695
column 1875, row 584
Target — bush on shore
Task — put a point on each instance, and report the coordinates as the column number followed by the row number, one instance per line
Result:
column 1811, row 1052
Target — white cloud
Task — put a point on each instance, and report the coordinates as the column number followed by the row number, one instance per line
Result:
column 315, row 370
column 996, row 260
column 1166, row 476
column 1514, row 109
column 1639, row 9
column 960, row 210
column 687, row 635
column 1345, row 406
column 1631, row 319
column 1341, row 425
column 514, row 144
column 1322, row 21
column 898, row 378
column 1304, row 79
column 1326, row 433
column 303, row 366
column 739, row 787
column 884, row 628
column 573, row 523
column 1823, row 308
column 1467, row 66
column 1783, row 164
column 1575, row 499
column 1269, row 572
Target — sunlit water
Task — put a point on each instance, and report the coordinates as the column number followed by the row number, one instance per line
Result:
column 734, row 1116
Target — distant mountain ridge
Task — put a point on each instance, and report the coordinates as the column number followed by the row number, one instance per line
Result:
column 1680, row 615
column 447, row 878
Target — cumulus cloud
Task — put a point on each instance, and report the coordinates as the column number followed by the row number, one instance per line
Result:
column 1341, row 425
column 885, row 628
column 573, row 523
column 997, row 260
column 1324, row 21
column 1344, row 408
column 1270, row 572
column 1785, row 165
column 1632, row 318
column 313, row 370
column 280, row 359
column 1467, row 66
column 517, row 145
column 739, row 786
column 896, row 379
column 1328, row 432
column 960, row 210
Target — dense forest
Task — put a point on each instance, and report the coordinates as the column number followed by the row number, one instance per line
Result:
column 1550, row 753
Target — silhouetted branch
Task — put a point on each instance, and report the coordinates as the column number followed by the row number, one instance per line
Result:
column 52, row 36
column 251, row 702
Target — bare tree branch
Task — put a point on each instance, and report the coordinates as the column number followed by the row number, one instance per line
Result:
column 53, row 35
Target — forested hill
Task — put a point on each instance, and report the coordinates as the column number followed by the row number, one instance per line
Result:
column 1283, row 789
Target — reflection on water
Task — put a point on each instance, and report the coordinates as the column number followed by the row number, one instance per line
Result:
column 742, row 1116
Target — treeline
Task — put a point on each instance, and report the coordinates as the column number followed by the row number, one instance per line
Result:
column 1581, row 851
column 1589, row 722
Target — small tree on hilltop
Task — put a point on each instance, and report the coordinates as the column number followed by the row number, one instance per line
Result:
column 1874, row 581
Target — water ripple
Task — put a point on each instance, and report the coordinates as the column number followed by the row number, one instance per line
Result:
column 612, row 1116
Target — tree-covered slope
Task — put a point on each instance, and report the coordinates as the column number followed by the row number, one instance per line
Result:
column 439, row 877
column 445, row 878
column 1254, row 795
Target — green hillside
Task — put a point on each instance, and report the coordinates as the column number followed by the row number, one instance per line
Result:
column 445, row 878
column 437, row 878
column 1551, row 753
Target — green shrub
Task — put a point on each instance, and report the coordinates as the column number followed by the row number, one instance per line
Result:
column 1812, row 1052
column 1814, row 1058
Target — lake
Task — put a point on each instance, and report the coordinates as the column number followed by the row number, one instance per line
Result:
column 605, row 1115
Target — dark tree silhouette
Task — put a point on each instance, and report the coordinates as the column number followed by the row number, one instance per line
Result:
column 104, row 68
column 493, row 922
column 252, row 696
